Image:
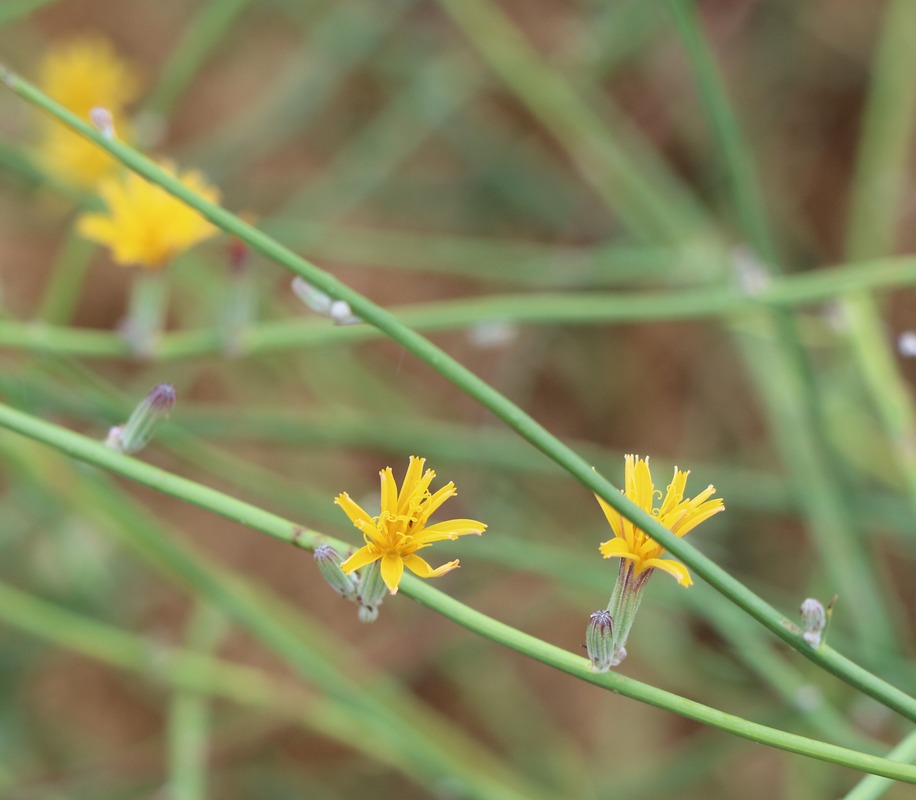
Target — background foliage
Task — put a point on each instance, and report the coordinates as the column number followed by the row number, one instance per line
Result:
column 457, row 160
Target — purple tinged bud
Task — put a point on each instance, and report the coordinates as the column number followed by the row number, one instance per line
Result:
column 145, row 420
column 328, row 561
column 599, row 641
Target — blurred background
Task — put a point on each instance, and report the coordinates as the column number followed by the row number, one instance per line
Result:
column 480, row 167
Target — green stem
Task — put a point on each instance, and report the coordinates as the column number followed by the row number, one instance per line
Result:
column 872, row 786
column 189, row 715
column 200, row 38
column 877, row 197
column 142, row 328
column 62, row 291
column 188, row 671
column 545, row 309
column 743, row 181
column 461, row 377
column 647, row 197
column 93, row 452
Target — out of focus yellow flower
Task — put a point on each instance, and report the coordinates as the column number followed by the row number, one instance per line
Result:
column 86, row 72
column 144, row 225
column 83, row 74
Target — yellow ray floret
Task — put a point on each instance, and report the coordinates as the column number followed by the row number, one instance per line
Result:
column 145, row 225
column 82, row 74
column 675, row 513
column 400, row 529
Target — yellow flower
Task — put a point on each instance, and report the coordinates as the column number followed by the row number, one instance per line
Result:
column 144, row 224
column 80, row 75
column 676, row 514
column 73, row 159
column 395, row 535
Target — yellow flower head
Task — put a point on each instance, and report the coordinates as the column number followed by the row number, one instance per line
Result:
column 675, row 513
column 395, row 535
column 144, row 224
column 86, row 72
column 80, row 75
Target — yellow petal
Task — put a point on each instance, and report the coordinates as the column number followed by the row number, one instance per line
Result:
column 411, row 479
column 451, row 529
column 389, row 492
column 392, row 569
column 359, row 559
column 352, row 509
column 675, row 568
column 617, row 548
column 419, row 567
column 613, row 517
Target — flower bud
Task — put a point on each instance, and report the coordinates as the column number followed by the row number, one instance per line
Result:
column 338, row 311
column 145, row 420
column 599, row 641
column 814, row 620
column 102, row 119
column 372, row 591
column 328, row 561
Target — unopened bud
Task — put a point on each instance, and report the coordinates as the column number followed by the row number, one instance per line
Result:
column 372, row 591
column 328, row 561
column 145, row 420
column 338, row 311
column 102, row 119
column 814, row 620
column 599, row 641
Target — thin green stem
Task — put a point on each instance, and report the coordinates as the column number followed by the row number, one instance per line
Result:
column 263, row 521
column 202, row 35
column 877, row 197
column 189, row 714
column 872, row 786
column 540, row 309
column 188, row 671
column 745, row 188
column 62, row 292
column 647, row 197
column 461, row 377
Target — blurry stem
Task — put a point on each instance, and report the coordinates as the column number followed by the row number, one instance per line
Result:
column 745, row 187
column 88, row 450
column 644, row 193
column 780, row 368
column 568, row 308
column 65, row 283
column 189, row 714
column 198, row 674
column 449, row 368
column 142, row 327
column 330, row 665
column 875, row 211
column 13, row 9
column 872, row 786
column 201, row 36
